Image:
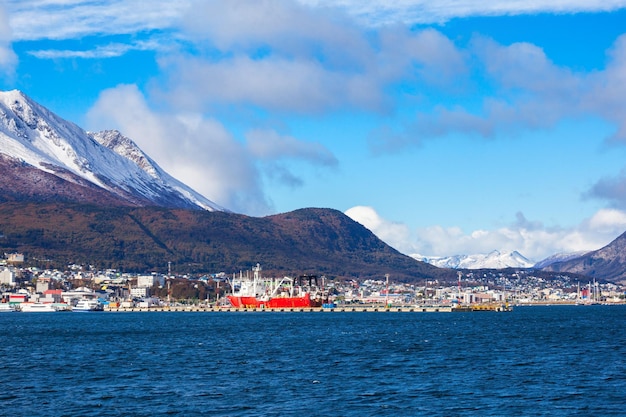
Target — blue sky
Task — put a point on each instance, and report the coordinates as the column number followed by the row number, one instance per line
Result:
column 448, row 127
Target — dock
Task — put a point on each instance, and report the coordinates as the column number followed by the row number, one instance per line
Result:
column 338, row 309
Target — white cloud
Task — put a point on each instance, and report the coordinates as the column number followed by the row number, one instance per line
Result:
column 73, row 19
column 607, row 221
column 379, row 12
column 273, row 83
column 283, row 57
column 8, row 58
column 394, row 234
column 611, row 189
column 529, row 92
column 200, row 152
column 106, row 51
column 272, row 149
column 531, row 239
column 268, row 144
column 285, row 26
column 607, row 94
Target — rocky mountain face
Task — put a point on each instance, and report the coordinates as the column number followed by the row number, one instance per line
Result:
column 607, row 263
column 47, row 158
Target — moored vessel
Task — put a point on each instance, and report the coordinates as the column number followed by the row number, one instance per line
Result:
column 7, row 308
column 44, row 307
column 88, row 305
column 286, row 292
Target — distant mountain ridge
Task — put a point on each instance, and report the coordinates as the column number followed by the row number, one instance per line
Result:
column 559, row 257
column 607, row 263
column 47, row 158
column 492, row 260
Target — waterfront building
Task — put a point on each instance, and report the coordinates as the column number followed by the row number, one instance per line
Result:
column 149, row 281
column 7, row 277
column 139, row 292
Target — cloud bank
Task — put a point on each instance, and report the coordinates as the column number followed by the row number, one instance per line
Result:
column 61, row 19
column 533, row 239
column 381, row 12
column 202, row 153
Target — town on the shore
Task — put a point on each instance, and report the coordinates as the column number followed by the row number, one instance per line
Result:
column 24, row 284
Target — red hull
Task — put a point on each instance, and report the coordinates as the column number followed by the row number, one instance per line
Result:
column 278, row 302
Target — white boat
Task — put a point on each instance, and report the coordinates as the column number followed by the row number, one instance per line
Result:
column 37, row 308
column 6, row 308
column 44, row 307
column 88, row 305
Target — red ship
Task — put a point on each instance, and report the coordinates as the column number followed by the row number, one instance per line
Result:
column 275, row 293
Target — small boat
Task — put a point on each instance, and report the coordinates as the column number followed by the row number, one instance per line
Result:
column 275, row 293
column 88, row 305
column 7, row 308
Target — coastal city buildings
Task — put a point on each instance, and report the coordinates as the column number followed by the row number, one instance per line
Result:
column 20, row 284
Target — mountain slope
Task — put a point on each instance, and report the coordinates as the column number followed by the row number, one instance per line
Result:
column 125, row 147
column 607, row 263
column 317, row 241
column 558, row 257
column 32, row 137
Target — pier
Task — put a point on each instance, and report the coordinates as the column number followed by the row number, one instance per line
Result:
column 338, row 309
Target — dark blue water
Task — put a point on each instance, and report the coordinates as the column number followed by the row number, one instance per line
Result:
column 535, row 361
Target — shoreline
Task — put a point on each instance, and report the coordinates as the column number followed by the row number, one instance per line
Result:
column 354, row 309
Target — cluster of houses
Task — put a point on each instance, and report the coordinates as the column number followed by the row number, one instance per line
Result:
column 30, row 285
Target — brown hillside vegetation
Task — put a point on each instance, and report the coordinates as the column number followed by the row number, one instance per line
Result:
column 132, row 239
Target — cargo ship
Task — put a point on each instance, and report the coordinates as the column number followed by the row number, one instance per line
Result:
column 286, row 292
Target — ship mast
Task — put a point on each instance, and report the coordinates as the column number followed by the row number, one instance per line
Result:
column 387, row 290
column 256, row 270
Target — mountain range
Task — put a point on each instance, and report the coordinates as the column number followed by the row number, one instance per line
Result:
column 607, row 263
column 68, row 195
column 72, row 196
column 492, row 260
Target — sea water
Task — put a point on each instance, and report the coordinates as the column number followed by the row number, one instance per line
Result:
column 534, row 361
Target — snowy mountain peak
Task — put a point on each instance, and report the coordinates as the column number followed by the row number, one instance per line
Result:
column 492, row 260
column 40, row 138
column 109, row 161
column 125, row 147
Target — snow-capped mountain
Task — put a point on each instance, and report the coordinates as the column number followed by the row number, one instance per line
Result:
column 559, row 257
column 50, row 150
column 607, row 263
column 492, row 260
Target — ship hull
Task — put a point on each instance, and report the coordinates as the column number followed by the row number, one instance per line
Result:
column 277, row 302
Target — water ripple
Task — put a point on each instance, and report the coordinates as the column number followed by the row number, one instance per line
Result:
column 559, row 361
